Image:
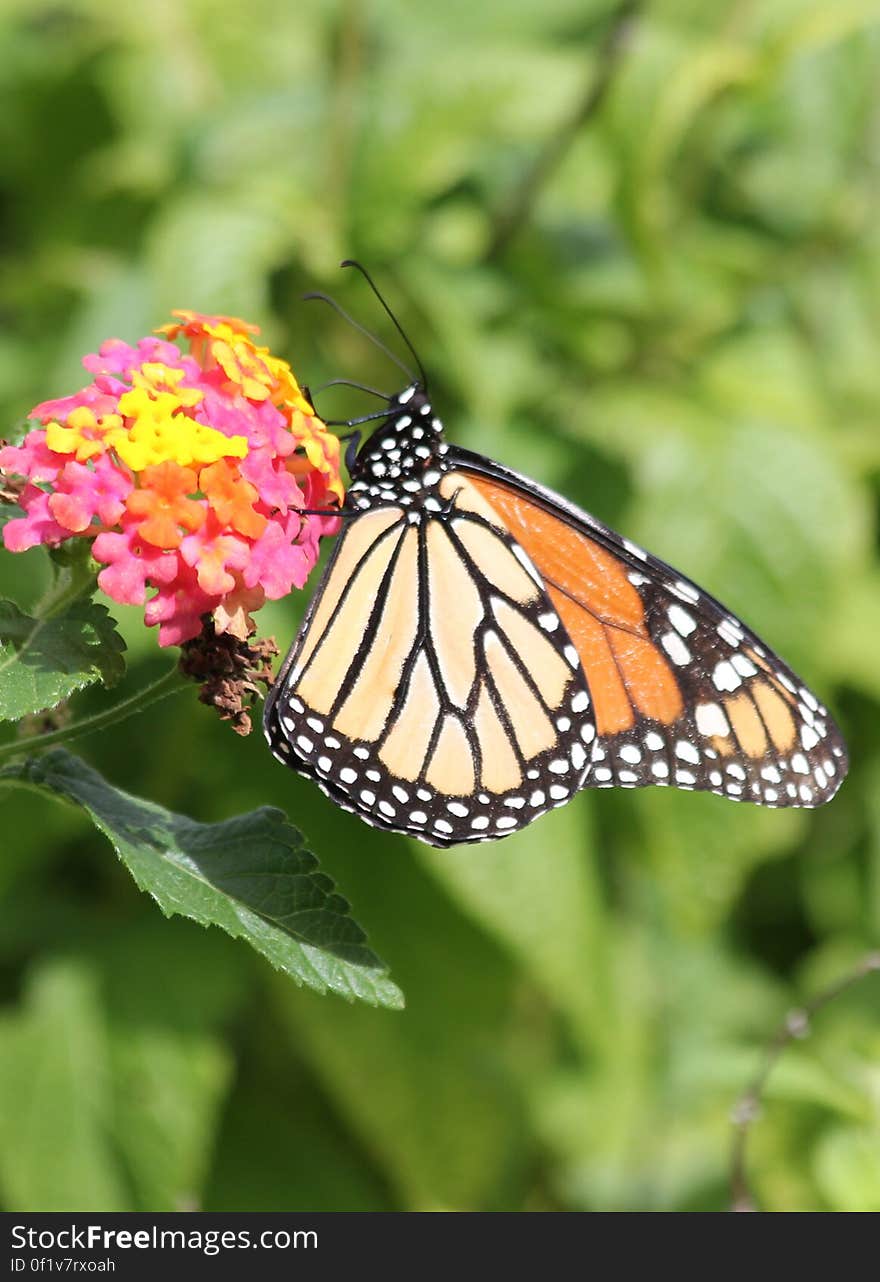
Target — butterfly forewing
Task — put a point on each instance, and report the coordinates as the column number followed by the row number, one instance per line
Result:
column 683, row 693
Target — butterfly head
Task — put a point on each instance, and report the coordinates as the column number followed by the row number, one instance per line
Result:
column 402, row 448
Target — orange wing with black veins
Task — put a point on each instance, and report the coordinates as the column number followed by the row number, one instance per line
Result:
column 683, row 693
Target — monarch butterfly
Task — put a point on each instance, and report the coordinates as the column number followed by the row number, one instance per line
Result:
column 479, row 650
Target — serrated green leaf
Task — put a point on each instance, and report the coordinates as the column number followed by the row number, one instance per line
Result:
column 43, row 661
column 250, row 875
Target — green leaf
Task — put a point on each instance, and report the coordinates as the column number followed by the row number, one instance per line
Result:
column 229, row 263
column 429, row 1093
column 538, row 892
column 169, row 994
column 43, row 661
column 696, row 856
column 112, row 1074
column 249, row 875
column 847, row 1164
column 327, row 1172
column 803, row 1079
column 55, row 1149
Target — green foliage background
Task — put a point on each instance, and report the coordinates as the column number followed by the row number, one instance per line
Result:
column 671, row 313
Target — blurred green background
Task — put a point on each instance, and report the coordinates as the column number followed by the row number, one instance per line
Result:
column 642, row 263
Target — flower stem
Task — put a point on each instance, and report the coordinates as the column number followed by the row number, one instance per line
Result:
column 74, row 578
column 167, row 684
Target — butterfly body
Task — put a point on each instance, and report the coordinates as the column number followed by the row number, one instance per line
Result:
column 479, row 650
column 393, row 465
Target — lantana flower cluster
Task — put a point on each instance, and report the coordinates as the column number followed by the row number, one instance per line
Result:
column 189, row 473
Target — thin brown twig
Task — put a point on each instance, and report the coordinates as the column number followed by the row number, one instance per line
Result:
column 747, row 1109
column 512, row 216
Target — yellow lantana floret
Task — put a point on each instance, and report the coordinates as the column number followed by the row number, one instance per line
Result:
column 155, row 377
column 160, row 433
column 84, row 434
column 321, row 450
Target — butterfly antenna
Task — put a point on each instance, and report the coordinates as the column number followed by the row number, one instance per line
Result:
column 325, row 298
column 347, row 382
column 352, row 422
column 351, row 262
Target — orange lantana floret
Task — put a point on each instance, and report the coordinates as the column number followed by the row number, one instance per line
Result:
column 232, row 498
column 227, row 343
column 163, row 500
column 321, row 451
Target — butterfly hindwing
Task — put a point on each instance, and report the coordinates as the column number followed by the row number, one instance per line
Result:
column 431, row 689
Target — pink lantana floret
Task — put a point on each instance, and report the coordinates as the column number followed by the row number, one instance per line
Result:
column 128, row 461
column 277, row 487
column 99, row 400
column 132, row 565
column 32, row 458
column 178, row 607
column 83, row 494
column 37, row 526
column 114, row 357
column 214, row 556
column 278, row 563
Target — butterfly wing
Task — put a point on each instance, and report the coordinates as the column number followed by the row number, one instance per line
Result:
column 432, row 689
column 683, row 693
